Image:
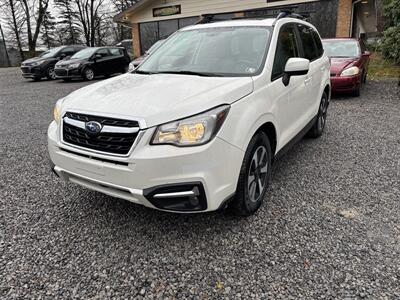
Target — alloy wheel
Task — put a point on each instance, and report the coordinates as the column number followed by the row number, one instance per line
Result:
column 323, row 112
column 89, row 74
column 257, row 174
column 52, row 74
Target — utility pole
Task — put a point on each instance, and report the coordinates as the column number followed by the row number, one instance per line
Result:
column 5, row 47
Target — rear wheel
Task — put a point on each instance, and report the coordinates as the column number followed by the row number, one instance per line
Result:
column 254, row 176
column 88, row 74
column 319, row 125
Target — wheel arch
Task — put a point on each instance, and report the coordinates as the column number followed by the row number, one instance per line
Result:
column 269, row 129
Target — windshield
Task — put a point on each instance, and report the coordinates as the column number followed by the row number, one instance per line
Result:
column 51, row 52
column 155, row 46
column 337, row 48
column 218, row 51
column 84, row 54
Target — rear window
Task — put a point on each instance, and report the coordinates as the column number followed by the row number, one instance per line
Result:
column 341, row 48
column 307, row 39
column 116, row 52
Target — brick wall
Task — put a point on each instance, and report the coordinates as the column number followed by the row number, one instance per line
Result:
column 343, row 24
column 136, row 40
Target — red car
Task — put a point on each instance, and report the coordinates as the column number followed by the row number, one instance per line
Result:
column 349, row 64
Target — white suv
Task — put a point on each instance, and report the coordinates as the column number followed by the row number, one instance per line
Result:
column 197, row 126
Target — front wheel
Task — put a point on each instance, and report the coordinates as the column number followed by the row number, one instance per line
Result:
column 318, row 128
column 50, row 74
column 88, row 74
column 254, row 176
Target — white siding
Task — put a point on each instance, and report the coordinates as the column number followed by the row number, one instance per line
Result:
column 192, row 8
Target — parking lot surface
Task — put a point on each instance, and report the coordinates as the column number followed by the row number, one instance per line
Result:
column 329, row 227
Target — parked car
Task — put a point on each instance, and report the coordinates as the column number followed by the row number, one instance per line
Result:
column 43, row 65
column 128, row 45
column 197, row 126
column 92, row 62
column 136, row 62
column 349, row 64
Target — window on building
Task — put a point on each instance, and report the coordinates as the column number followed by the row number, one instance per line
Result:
column 148, row 35
column 286, row 48
column 152, row 32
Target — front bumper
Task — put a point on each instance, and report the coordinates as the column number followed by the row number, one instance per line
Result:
column 211, row 171
column 63, row 73
column 31, row 72
column 345, row 84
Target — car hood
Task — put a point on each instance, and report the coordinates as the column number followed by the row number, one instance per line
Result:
column 67, row 62
column 338, row 64
column 158, row 98
column 35, row 59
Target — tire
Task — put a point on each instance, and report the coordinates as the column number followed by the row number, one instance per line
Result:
column 318, row 128
column 357, row 91
column 254, row 177
column 50, row 74
column 88, row 74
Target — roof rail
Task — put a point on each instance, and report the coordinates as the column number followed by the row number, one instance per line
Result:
column 211, row 18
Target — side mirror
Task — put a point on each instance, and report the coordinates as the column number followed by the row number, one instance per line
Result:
column 295, row 67
column 366, row 53
column 62, row 56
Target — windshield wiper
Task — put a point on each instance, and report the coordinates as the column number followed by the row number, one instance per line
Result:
column 183, row 72
column 144, row 72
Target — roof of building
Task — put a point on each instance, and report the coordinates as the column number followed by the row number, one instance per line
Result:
column 121, row 16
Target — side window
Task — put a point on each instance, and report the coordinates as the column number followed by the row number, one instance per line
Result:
column 68, row 51
column 285, row 49
column 103, row 52
column 116, row 52
column 318, row 43
column 306, row 35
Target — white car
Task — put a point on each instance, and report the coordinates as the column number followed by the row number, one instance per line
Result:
column 198, row 125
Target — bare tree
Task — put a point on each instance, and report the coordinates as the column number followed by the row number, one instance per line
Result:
column 67, row 24
column 15, row 19
column 90, row 15
column 34, row 13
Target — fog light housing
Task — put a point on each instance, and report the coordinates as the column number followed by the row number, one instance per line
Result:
column 184, row 197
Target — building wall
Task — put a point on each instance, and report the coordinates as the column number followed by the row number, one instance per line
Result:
column 199, row 7
column 317, row 10
column 344, row 18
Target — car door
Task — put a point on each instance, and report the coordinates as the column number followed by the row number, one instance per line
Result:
column 313, row 53
column 102, row 63
column 291, row 100
column 117, row 60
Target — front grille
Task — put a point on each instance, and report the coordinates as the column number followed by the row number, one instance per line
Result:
column 61, row 72
column 25, row 69
column 102, row 120
column 114, row 143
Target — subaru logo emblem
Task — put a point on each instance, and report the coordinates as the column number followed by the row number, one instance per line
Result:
column 93, row 128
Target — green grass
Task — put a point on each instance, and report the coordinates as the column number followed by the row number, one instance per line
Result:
column 380, row 68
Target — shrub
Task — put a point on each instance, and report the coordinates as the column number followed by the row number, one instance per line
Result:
column 391, row 44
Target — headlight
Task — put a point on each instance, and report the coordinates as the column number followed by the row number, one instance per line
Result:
column 34, row 64
column 193, row 131
column 57, row 111
column 74, row 66
column 352, row 71
column 131, row 67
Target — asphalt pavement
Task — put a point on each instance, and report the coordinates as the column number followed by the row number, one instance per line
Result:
column 329, row 227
